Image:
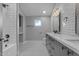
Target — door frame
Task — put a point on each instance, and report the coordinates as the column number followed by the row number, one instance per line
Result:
column 17, row 28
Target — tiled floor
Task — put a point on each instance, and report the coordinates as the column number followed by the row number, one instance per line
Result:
column 33, row 48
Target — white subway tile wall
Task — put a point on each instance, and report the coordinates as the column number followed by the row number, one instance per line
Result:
column 69, row 11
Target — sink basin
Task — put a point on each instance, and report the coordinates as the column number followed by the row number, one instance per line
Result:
column 74, row 41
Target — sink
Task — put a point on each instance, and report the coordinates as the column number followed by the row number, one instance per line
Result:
column 74, row 41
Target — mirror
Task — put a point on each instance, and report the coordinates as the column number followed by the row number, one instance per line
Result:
column 77, row 18
column 56, row 20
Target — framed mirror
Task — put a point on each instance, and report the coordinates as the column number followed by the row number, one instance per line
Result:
column 56, row 20
column 77, row 18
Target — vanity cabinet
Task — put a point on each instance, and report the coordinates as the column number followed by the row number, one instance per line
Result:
column 56, row 48
column 71, row 53
column 52, row 47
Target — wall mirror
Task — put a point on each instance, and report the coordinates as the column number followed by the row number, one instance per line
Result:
column 77, row 18
column 56, row 20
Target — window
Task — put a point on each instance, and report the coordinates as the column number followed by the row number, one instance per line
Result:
column 38, row 23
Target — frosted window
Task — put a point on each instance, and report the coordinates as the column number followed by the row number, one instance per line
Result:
column 38, row 23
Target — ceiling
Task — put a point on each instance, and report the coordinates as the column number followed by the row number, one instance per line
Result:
column 36, row 9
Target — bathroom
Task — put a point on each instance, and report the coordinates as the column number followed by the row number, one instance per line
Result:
column 39, row 29
column 43, row 21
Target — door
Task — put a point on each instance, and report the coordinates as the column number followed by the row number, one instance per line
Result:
column 20, row 28
column 8, row 29
column 37, row 27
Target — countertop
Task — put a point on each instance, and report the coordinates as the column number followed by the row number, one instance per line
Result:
column 64, row 39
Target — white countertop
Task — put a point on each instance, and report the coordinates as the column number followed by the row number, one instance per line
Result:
column 64, row 39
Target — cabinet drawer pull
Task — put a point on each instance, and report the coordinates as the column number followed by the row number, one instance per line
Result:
column 69, row 53
column 63, row 48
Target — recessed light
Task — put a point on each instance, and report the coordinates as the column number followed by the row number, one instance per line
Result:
column 44, row 12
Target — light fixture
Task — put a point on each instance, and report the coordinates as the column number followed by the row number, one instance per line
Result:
column 56, row 11
column 64, row 24
column 44, row 11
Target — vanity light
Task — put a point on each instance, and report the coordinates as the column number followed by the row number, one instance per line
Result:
column 56, row 11
column 64, row 24
column 65, row 19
